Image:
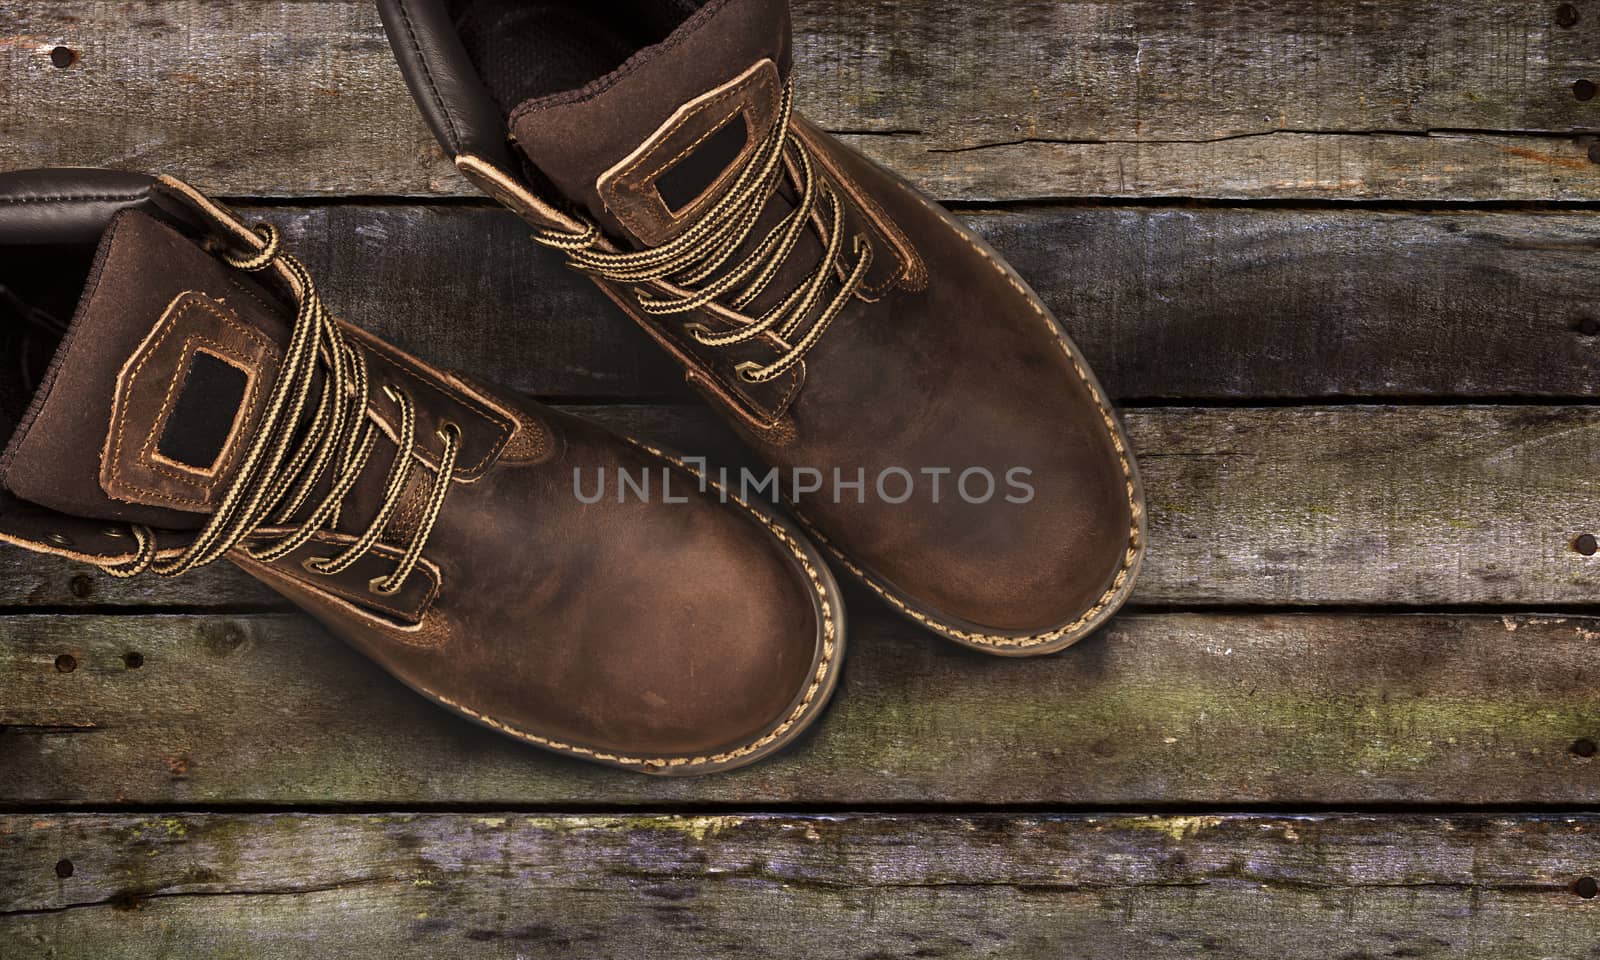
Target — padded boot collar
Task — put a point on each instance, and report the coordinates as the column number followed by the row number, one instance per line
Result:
column 66, row 206
column 73, row 207
column 443, row 81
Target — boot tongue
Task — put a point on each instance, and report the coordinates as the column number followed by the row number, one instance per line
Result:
column 153, row 394
column 651, row 145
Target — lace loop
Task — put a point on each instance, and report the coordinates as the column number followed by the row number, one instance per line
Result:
column 285, row 463
column 693, row 269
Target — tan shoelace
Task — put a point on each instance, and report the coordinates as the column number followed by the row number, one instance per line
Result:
column 691, row 261
column 277, row 475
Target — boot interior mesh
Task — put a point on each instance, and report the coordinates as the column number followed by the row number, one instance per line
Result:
column 524, row 50
column 39, row 289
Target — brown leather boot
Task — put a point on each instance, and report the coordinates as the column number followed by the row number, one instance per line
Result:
column 183, row 396
column 942, row 435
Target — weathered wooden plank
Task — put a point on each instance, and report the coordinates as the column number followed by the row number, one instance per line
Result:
column 30, row 582
column 1383, row 505
column 1167, row 304
column 1404, row 506
column 1275, row 888
column 1157, row 72
column 1013, row 99
column 1299, row 165
column 1158, row 708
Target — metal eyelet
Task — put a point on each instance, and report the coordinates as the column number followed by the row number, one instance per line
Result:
column 744, row 370
column 310, row 565
column 115, row 533
column 448, row 427
column 59, row 539
column 376, row 588
column 697, row 330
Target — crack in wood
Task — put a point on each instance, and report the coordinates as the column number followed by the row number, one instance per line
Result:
column 1423, row 134
column 12, row 727
column 133, row 899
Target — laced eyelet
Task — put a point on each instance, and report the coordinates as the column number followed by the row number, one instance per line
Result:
column 376, row 587
column 746, row 370
column 329, row 455
column 732, row 253
column 449, row 431
column 252, row 260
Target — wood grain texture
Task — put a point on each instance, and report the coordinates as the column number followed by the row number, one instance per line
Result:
column 1208, row 304
column 1216, row 709
column 1017, row 99
column 1099, row 888
column 1396, row 506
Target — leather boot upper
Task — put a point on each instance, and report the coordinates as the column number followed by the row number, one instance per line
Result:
column 836, row 316
column 198, row 403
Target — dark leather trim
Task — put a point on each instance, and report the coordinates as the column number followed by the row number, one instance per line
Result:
column 444, row 81
column 66, row 205
column 72, row 206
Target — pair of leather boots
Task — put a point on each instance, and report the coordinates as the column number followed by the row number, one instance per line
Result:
column 177, row 393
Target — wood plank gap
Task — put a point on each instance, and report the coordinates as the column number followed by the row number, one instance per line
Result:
column 1021, row 204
